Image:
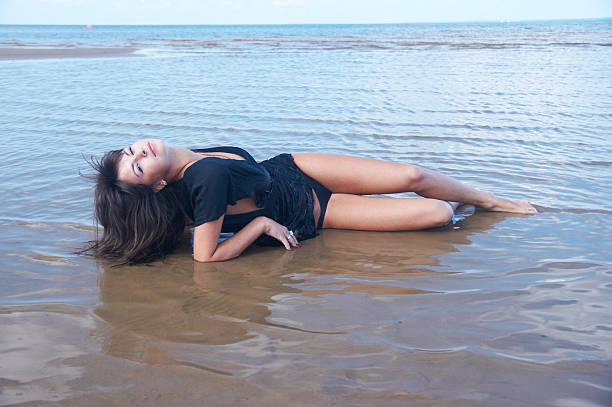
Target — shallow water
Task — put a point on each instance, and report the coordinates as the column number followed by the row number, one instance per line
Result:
column 465, row 315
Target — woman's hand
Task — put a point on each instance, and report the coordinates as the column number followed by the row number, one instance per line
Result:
column 280, row 233
column 206, row 246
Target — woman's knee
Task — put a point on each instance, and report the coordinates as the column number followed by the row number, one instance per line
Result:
column 440, row 213
column 413, row 176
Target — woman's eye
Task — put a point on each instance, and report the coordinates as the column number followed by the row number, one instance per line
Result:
column 131, row 151
column 139, row 167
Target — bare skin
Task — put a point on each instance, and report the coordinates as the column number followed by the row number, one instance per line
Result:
column 350, row 177
column 154, row 163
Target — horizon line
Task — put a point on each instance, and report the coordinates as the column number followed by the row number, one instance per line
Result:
column 505, row 21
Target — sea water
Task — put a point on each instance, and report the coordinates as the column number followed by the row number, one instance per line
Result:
column 467, row 314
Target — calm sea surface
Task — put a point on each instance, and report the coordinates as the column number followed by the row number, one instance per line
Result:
column 495, row 310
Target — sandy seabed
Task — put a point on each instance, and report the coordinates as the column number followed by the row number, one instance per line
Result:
column 45, row 53
column 321, row 326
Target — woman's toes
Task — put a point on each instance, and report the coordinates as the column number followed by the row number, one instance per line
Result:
column 526, row 206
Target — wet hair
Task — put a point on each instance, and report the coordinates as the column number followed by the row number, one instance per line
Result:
column 139, row 224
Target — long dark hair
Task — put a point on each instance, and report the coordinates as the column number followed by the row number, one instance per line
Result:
column 139, row 225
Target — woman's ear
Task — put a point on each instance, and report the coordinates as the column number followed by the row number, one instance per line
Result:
column 159, row 185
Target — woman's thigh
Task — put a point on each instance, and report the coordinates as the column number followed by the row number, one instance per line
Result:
column 347, row 211
column 357, row 175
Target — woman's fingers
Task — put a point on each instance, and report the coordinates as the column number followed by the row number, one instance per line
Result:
column 288, row 239
column 286, row 243
column 282, row 234
column 292, row 239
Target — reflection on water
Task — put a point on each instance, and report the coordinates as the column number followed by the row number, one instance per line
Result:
column 355, row 310
column 221, row 303
column 212, row 305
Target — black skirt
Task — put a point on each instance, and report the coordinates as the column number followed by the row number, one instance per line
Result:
column 290, row 201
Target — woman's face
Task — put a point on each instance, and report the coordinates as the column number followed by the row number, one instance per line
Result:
column 144, row 162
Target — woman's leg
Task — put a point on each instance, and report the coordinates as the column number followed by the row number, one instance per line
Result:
column 364, row 176
column 347, row 211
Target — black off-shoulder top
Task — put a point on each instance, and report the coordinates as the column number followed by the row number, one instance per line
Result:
column 211, row 184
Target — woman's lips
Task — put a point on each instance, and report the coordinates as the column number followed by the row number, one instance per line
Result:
column 151, row 148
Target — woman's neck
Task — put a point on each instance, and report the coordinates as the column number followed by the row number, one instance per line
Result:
column 180, row 159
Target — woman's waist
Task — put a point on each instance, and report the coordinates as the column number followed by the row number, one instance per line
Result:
column 236, row 221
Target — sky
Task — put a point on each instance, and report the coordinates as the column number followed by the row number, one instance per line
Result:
column 100, row 12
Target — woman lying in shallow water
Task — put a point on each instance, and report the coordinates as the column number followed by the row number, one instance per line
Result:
column 148, row 192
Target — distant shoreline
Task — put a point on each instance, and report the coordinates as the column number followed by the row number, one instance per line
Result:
column 47, row 53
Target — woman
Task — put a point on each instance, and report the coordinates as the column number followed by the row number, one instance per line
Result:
column 147, row 192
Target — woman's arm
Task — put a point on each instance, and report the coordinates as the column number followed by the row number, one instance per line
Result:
column 206, row 237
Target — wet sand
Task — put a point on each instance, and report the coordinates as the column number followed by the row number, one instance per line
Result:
column 70, row 368
column 350, row 319
column 45, row 53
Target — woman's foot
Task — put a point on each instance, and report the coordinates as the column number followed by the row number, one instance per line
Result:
column 498, row 204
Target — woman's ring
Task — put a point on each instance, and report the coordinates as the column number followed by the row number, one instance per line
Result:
column 291, row 233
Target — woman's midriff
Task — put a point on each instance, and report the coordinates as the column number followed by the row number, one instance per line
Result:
column 247, row 205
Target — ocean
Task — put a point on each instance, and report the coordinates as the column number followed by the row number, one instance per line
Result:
column 493, row 310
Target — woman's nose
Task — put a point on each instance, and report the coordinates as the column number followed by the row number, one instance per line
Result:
column 140, row 153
